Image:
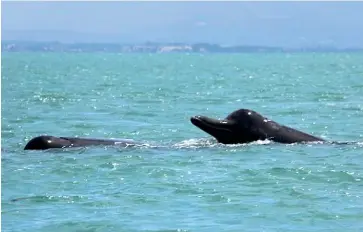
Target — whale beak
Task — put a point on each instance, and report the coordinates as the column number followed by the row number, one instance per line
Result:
column 216, row 128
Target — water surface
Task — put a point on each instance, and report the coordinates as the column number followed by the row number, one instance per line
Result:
column 182, row 180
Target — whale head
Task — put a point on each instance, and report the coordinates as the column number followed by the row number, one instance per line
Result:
column 45, row 142
column 241, row 126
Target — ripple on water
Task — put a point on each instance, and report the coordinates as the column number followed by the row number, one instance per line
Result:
column 180, row 179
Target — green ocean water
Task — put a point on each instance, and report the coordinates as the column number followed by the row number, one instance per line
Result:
column 181, row 180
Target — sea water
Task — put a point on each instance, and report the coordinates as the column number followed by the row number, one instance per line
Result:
column 181, row 179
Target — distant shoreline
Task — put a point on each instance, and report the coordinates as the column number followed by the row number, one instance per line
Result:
column 33, row 46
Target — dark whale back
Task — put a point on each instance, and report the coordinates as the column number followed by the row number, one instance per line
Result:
column 269, row 129
column 44, row 142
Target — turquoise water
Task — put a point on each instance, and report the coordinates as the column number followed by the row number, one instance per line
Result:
column 181, row 180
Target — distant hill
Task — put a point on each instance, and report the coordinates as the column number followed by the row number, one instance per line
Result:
column 149, row 47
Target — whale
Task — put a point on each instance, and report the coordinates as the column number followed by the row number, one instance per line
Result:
column 246, row 126
column 44, row 142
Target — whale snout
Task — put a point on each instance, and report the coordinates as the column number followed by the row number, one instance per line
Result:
column 196, row 119
column 204, row 121
column 211, row 125
column 44, row 142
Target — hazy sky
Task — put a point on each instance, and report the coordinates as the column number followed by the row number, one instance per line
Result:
column 260, row 23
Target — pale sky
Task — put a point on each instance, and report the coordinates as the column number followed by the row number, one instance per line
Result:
column 251, row 23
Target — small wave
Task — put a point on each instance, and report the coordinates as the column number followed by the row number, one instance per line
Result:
column 195, row 143
column 258, row 142
column 346, row 143
column 80, row 224
column 69, row 199
column 319, row 176
column 202, row 143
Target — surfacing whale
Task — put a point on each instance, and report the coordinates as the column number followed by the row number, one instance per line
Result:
column 44, row 142
column 245, row 126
